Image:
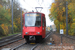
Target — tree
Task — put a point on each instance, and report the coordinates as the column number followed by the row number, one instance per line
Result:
column 58, row 15
column 4, row 20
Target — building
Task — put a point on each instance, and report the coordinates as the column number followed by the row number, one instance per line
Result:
column 53, row 28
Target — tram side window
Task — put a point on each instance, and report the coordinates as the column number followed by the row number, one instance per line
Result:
column 43, row 22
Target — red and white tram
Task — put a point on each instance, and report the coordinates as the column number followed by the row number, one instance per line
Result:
column 34, row 26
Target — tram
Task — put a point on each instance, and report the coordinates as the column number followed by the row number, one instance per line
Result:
column 34, row 26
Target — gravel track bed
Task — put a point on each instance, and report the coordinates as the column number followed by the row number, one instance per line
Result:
column 14, row 44
column 68, row 44
column 26, row 47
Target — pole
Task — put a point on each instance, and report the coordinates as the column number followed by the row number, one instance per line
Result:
column 21, row 20
column 59, row 27
column 61, row 32
column 61, row 39
column 12, row 16
column 66, row 18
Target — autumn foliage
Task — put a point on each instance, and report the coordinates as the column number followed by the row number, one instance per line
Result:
column 6, row 18
column 58, row 15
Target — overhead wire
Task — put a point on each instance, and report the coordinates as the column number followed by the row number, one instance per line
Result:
column 27, row 3
column 40, row 4
column 37, row 2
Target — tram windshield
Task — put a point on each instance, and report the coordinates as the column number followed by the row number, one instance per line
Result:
column 33, row 19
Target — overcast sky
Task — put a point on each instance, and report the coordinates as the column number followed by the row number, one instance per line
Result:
column 31, row 4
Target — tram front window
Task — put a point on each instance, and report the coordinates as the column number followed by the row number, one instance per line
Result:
column 32, row 19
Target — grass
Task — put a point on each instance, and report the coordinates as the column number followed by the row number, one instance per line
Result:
column 9, row 35
column 12, row 34
column 0, row 38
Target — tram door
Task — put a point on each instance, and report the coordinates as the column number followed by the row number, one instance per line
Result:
column 43, row 26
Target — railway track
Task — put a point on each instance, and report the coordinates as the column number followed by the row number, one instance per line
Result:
column 30, row 46
column 41, row 41
column 71, row 37
column 10, row 39
column 68, row 36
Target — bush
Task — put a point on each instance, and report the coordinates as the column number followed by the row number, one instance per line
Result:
column 4, row 29
column 72, row 29
column 1, row 31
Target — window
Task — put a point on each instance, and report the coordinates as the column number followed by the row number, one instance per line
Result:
column 33, row 19
column 43, row 21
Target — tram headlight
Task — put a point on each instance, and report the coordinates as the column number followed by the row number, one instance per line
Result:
column 26, row 33
column 38, row 32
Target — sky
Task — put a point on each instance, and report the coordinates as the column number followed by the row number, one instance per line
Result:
column 31, row 4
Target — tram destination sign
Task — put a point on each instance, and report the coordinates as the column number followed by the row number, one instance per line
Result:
column 33, row 15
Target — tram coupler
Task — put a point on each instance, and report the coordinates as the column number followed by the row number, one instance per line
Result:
column 32, row 38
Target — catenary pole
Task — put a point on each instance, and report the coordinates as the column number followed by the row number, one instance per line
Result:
column 21, row 20
column 12, row 16
column 66, row 18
